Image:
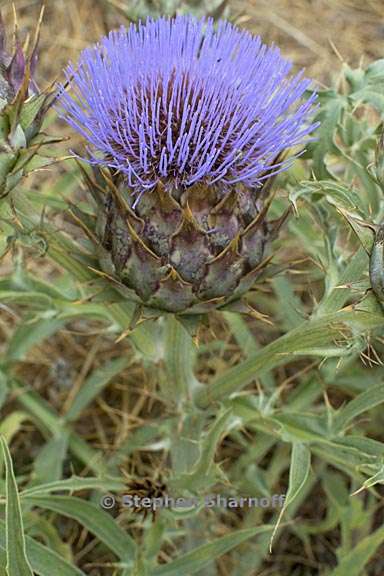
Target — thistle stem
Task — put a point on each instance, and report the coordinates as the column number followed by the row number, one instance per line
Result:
column 187, row 427
column 179, row 357
column 179, row 385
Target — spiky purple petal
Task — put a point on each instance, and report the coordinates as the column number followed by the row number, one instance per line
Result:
column 181, row 101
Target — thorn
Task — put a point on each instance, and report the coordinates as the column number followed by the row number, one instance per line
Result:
column 123, row 335
column 16, row 27
column 35, row 54
column 196, row 340
column 259, row 316
column 358, row 491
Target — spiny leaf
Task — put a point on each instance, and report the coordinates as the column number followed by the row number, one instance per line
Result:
column 73, row 484
column 317, row 333
column 48, row 464
column 298, row 474
column 44, row 561
column 17, row 560
column 329, row 117
column 202, row 556
column 100, row 523
column 179, row 358
column 367, row 400
column 352, row 564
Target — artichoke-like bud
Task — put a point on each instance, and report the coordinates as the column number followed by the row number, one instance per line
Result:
column 187, row 125
column 22, row 110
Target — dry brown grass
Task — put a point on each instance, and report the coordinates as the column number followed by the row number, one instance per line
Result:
column 308, row 31
column 313, row 32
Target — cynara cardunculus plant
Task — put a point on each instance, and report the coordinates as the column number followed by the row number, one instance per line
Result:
column 22, row 111
column 187, row 123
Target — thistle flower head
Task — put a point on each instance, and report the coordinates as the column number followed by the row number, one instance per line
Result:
column 192, row 121
column 181, row 101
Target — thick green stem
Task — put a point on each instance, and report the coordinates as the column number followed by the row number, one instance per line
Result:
column 181, row 386
column 179, row 357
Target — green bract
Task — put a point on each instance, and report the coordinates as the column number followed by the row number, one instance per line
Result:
column 22, row 111
column 159, row 253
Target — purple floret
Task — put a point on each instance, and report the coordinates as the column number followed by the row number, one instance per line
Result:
column 182, row 101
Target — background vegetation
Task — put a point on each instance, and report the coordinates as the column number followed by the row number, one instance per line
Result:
column 291, row 400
